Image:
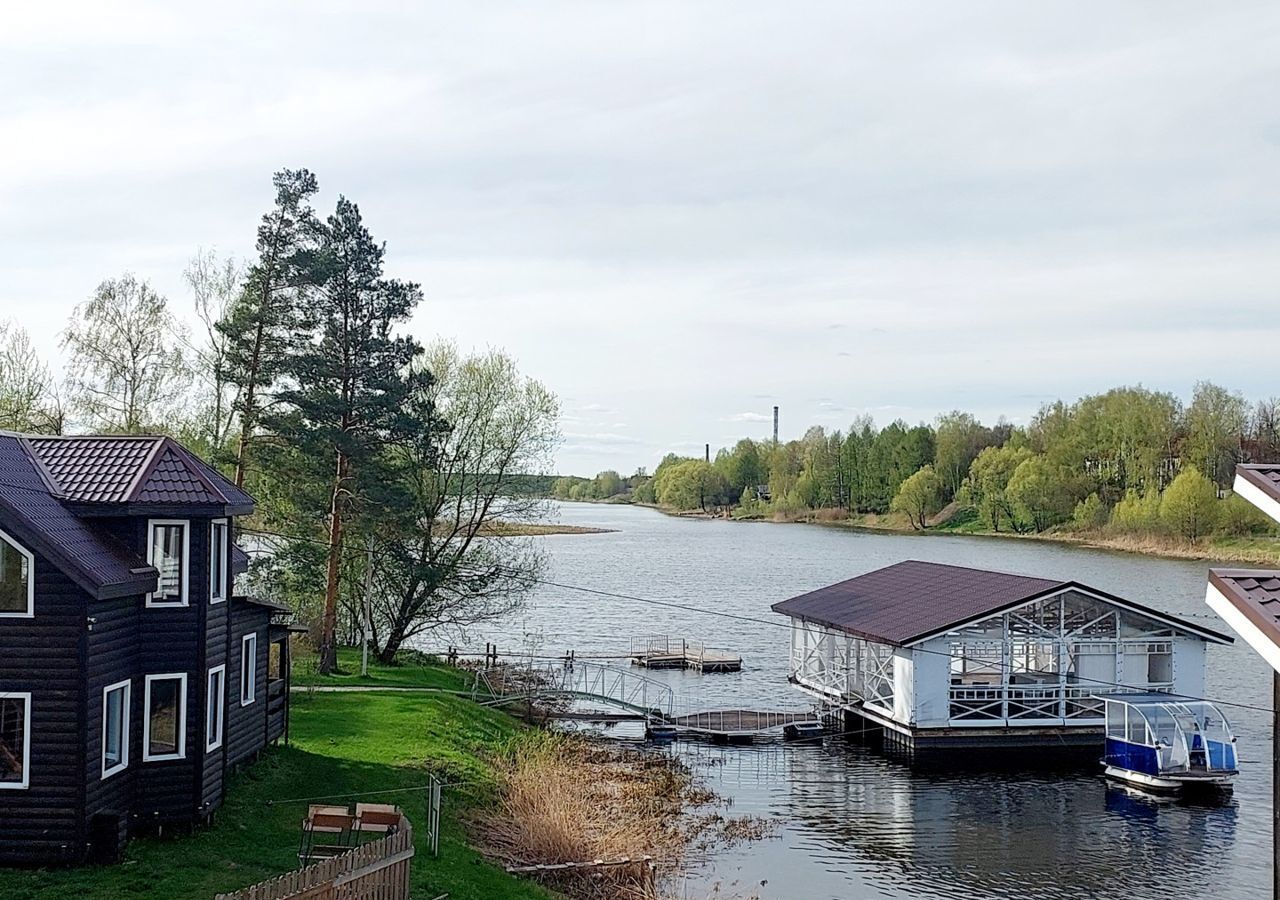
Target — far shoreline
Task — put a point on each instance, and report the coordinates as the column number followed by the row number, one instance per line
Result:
column 1258, row 553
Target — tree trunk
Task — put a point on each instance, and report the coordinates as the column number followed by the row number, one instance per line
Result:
column 329, row 624
column 246, row 415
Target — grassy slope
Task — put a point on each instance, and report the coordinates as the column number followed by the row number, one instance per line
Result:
column 342, row 744
column 409, row 675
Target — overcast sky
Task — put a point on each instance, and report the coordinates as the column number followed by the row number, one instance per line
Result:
column 677, row 215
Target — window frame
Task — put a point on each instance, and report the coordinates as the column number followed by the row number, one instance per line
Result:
column 25, row 783
column 210, row 744
column 147, row 755
column 125, row 708
column 218, row 590
column 30, row 612
column 184, row 580
column 251, row 671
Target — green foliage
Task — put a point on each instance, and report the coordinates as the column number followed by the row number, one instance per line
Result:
column 1238, row 517
column 1041, row 493
column 986, row 488
column 959, row 439
column 1215, row 421
column 919, row 497
column 1189, row 507
column 1137, row 512
column 691, row 484
column 1089, row 513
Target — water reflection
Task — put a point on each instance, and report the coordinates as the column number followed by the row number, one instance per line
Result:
column 854, row 823
column 860, row 820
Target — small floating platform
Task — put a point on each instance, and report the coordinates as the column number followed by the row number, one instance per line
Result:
column 738, row 724
column 664, row 652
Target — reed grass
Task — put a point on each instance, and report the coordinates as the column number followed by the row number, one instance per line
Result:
column 565, row 799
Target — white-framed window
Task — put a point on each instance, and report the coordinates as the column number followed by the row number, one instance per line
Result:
column 17, row 580
column 215, row 708
column 164, row 731
column 218, row 560
column 115, row 727
column 15, row 741
column 169, row 550
column 248, row 669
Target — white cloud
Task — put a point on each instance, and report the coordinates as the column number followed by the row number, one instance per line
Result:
column 902, row 208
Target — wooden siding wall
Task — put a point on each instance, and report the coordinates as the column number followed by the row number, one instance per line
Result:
column 71, row 651
column 247, row 725
column 214, row 653
column 113, row 656
column 42, row 656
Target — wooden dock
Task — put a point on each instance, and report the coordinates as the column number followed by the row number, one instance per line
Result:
column 665, row 652
column 736, row 723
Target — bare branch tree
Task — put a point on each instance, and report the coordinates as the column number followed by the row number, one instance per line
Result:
column 215, row 286
column 449, row 563
column 29, row 398
column 127, row 372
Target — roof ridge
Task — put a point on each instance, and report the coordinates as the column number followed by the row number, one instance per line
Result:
column 144, row 470
column 55, row 489
column 198, row 467
column 941, row 565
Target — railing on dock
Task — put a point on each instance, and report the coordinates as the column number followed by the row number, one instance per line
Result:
column 661, row 651
column 998, row 703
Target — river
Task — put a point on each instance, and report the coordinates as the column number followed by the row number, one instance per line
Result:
column 849, row 822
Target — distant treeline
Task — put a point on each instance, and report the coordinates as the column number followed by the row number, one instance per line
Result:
column 1131, row 459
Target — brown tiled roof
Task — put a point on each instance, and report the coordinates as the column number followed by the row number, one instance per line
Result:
column 145, row 470
column 1255, row 593
column 1265, row 477
column 31, row 512
column 913, row 600
column 93, row 469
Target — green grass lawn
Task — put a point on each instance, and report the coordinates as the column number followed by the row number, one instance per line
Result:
column 406, row 674
column 343, row 744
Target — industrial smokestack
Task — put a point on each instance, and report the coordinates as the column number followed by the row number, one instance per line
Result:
column 708, row 452
column 775, row 425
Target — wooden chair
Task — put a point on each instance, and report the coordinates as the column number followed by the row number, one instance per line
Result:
column 376, row 820
column 334, row 825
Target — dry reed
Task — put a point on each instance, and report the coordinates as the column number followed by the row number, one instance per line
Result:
column 566, row 799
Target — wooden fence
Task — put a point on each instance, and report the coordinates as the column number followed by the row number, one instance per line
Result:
column 378, row 870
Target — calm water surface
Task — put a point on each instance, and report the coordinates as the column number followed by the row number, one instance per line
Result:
column 851, row 822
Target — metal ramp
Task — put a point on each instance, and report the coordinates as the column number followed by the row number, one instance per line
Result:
column 634, row 697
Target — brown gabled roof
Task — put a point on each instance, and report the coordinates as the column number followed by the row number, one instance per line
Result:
column 1255, row 593
column 132, row 470
column 913, row 600
column 37, row 518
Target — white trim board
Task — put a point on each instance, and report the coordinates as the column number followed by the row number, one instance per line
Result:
column 25, row 783
column 183, row 705
column 1241, row 625
column 127, row 684
column 31, row 577
column 1257, row 496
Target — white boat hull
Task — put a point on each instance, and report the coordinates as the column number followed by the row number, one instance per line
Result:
column 1169, row 782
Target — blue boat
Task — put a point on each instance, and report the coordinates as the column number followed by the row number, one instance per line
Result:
column 1166, row 742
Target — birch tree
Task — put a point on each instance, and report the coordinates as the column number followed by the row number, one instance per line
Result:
column 126, row 371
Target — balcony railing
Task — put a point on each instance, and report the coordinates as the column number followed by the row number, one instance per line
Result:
column 1012, row 703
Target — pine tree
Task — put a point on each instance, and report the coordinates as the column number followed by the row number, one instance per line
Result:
column 350, row 387
column 259, row 323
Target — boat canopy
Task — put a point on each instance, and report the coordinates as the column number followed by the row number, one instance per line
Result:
column 1166, row 734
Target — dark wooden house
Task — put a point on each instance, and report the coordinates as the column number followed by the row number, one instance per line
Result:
column 132, row 679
